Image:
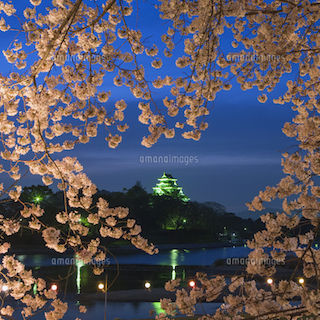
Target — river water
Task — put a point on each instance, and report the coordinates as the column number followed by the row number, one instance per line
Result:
column 175, row 258
column 126, row 311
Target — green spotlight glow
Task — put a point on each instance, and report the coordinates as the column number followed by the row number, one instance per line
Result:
column 157, row 307
column 37, row 199
column 34, row 289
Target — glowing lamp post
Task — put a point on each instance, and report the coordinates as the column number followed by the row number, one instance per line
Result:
column 4, row 288
column 101, row 286
column 54, row 287
column 147, row 285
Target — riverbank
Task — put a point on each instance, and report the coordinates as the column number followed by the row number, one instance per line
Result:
column 178, row 246
column 135, row 295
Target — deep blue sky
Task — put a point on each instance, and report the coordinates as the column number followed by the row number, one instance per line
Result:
column 238, row 155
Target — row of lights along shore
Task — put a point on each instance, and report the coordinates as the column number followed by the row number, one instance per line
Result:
column 147, row 285
column 192, row 283
column 5, row 288
column 270, row 281
column 54, row 287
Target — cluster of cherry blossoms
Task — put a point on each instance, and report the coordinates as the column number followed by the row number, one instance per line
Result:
column 54, row 99
column 273, row 38
column 19, row 284
column 49, row 103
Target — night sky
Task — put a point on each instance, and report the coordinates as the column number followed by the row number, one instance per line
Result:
column 237, row 156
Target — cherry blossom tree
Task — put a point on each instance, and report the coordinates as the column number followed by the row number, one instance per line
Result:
column 273, row 38
column 62, row 54
column 49, row 104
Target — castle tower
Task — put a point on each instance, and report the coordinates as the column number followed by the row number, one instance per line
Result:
column 168, row 186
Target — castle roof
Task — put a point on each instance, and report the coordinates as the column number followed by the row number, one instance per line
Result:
column 168, row 186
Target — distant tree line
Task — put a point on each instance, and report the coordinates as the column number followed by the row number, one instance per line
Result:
column 165, row 219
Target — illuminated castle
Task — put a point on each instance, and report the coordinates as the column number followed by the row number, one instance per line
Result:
column 167, row 186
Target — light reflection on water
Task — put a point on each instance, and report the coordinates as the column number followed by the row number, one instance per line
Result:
column 79, row 264
column 139, row 310
column 157, row 307
column 173, row 258
column 174, row 261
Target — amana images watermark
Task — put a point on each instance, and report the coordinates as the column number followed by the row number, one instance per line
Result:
column 252, row 261
column 93, row 58
column 304, row 317
column 75, row 261
column 169, row 159
column 236, row 57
